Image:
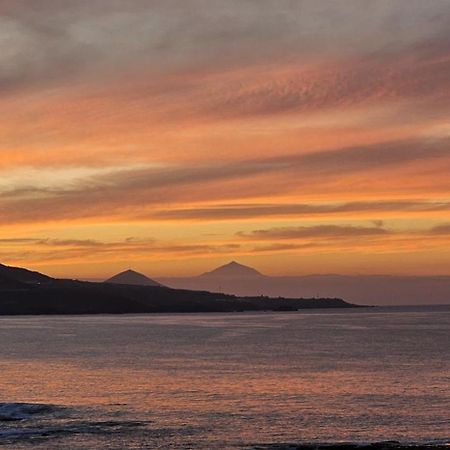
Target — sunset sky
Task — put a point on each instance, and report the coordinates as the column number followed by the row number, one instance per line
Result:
column 172, row 136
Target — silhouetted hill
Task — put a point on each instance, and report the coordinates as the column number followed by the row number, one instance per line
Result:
column 23, row 275
column 133, row 278
column 80, row 297
column 9, row 283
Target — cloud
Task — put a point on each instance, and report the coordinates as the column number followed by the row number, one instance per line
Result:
column 278, row 247
column 329, row 238
column 54, row 250
column 129, row 190
column 46, row 39
column 319, row 231
column 106, row 82
column 443, row 229
column 119, row 113
column 249, row 210
column 365, row 81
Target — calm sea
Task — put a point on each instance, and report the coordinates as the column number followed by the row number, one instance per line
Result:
column 225, row 380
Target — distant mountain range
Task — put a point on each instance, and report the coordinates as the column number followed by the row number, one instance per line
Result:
column 237, row 279
column 230, row 287
column 26, row 292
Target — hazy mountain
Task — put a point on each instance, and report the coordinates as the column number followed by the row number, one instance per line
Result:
column 361, row 289
column 232, row 269
column 23, row 275
column 132, row 277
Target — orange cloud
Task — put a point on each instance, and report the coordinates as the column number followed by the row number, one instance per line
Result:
column 237, row 118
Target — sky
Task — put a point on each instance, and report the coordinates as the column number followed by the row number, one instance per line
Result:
column 172, row 136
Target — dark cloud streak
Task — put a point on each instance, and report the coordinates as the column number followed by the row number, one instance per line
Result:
column 319, row 231
column 242, row 211
column 106, row 194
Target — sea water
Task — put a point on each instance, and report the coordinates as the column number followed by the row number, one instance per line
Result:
column 223, row 381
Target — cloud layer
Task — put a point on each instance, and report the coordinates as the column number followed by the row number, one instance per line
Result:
column 216, row 129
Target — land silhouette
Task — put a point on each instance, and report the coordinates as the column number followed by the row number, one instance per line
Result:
column 26, row 292
column 238, row 279
column 132, row 277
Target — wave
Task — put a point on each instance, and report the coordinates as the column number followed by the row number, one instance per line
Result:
column 107, row 427
column 10, row 412
column 30, row 421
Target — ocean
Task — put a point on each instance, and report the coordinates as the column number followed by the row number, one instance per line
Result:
column 225, row 381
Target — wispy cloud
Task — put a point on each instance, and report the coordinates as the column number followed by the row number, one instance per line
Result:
column 443, row 229
column 42, row 250
column 249, row 210
column 319, row 231
column 106, row 194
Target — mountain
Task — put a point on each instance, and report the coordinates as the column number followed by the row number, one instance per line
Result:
column 23, row 275
column 132, row 277
column 232, row 269
column 23, row 291
column 40, row 294
column 360, row 289
column 9, row 283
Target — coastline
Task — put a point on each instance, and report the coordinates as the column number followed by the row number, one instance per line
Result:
column 64, row 297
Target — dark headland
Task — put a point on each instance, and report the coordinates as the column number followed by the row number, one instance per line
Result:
column 24, row 292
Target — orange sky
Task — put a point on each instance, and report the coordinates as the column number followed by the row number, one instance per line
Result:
column 297, row 137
